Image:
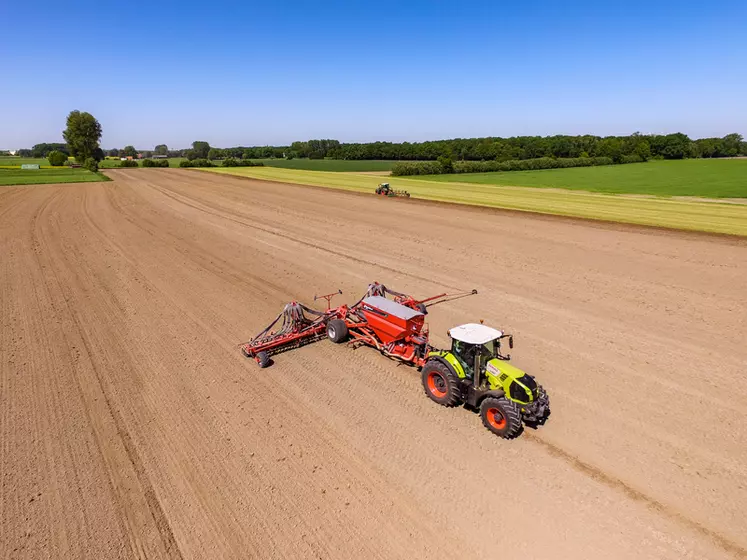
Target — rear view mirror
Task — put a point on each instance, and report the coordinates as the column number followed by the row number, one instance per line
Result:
column 511, row 341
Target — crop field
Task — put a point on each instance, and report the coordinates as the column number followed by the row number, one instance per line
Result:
column 45, row 176
column 132, row 426
column 716, row 217
column 712, row 178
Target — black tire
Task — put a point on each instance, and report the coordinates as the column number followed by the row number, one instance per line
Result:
column 263, row 359
column 501, row 416
column 421, row 307
column 337, row 331
column 441, row 384
column 544, row 397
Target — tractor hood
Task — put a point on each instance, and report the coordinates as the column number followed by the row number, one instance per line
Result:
column 499, row 371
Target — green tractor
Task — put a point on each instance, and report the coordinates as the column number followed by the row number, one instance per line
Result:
column 475, row 372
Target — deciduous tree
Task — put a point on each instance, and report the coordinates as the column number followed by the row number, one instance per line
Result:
column 56, row 158
column 82, row 135
column 200, row 150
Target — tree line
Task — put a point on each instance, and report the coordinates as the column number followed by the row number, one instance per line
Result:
column 644, row 146
column 618, row 148
column 83, row 133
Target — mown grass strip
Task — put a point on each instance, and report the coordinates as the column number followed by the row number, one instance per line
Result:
column 53, row 175
column 714, row 217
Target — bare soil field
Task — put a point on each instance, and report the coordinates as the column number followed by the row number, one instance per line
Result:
column 131, row 425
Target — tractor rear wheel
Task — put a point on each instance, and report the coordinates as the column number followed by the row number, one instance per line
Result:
column 337, row 330
column 441, row 384
column 501, row 416
column 263, row 359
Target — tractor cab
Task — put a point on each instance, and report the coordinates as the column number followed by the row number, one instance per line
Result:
column 475, row 345
column 477, row 348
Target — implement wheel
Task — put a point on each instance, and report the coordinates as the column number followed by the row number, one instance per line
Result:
column 441, row 384
column 501, row 416
column 263, row 359
column 337, row 331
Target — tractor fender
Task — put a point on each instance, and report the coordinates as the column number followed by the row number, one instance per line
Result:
column 474, row 397
column 444, row 361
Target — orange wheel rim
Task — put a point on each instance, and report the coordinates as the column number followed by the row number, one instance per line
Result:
column 496, row 419
column 437, row 384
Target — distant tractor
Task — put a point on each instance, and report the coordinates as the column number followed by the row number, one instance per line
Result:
column 385, row 190
column 475, row 372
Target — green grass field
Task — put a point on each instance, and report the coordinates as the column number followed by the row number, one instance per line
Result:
column 711, row 178
column 337, row 165
column 694, row 215
column 45, row 176
column 8, row 161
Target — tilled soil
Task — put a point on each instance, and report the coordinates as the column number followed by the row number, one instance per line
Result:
column 132, row 426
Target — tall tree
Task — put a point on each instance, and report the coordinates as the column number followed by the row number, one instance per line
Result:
column 732, row 144
column 200, row 149
column 82, row 135
column 161, row 150
column 129, row 151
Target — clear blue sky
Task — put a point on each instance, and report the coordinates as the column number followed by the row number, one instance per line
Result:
column 255, row 73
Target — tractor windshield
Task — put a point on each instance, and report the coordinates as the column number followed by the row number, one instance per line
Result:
column 488, row 349
column 494, row 349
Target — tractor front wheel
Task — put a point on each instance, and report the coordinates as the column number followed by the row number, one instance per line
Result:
column 337, row 330
column 441, row 384
column 501, row 416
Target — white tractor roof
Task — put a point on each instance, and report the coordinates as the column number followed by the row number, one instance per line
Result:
column 472, row 333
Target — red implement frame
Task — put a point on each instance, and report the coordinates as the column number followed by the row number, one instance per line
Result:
column 403, row 336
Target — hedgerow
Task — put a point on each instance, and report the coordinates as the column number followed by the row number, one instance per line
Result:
column 200, row 162
column 91, row 164
column 233, row 162
column 441, row 167
column 155, row 163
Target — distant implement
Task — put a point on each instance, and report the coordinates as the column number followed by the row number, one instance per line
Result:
column 385, row 190
column 475, row 371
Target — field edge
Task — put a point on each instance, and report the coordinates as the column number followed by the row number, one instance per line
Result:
column 738, row 232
